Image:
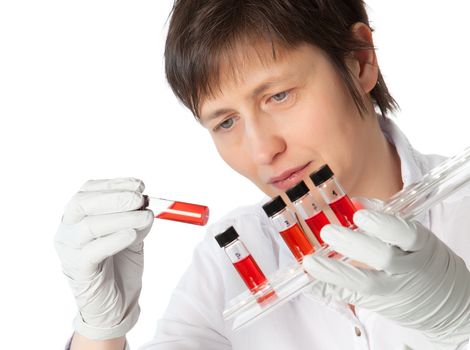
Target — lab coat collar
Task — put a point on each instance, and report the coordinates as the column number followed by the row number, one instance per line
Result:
column 412, row 169
column 412, row 166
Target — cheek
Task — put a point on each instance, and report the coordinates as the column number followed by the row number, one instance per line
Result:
column 332, row 109
column 325, row 125
column 234, row 158
column 314, row 124
column 331, row 94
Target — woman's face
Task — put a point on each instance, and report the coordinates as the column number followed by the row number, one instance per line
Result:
column 277, row 120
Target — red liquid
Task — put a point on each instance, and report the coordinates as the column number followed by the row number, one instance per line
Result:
column 201, row 210
column 250, row 273
column 316, row 223
column 344, row 210
column 266, row 295
column 334, row 255
column 298, row 244
column 254, row 278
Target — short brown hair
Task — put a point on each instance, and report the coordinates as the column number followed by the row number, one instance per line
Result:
column 201, row 31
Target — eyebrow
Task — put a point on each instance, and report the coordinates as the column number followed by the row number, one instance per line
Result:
column 263, row 87
column 257, row 91
column 217, row 113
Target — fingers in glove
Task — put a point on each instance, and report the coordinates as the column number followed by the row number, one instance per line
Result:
column 122, row 183
column 321, row 290
column 99, row 249
column 408, row 236
column 349, row 280
column 364, row 248
column 92, row 227
column 96, row 203
column 367, row 203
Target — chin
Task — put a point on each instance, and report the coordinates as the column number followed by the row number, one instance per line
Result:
column 273, row 192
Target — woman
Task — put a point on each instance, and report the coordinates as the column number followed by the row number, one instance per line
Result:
column 283, row 87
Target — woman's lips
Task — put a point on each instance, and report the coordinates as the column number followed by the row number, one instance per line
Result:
column 289, row 178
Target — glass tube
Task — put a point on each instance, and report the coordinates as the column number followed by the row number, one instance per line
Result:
column 308, row 210
column 311, row 213
column 245, row 264
column 290, row 231
column 334, row 194
column 435, row 186
column 177, row 211
column 438, row 184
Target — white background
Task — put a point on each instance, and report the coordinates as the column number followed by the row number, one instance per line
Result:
column 83, row 95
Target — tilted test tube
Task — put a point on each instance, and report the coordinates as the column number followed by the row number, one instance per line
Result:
column 166, row 209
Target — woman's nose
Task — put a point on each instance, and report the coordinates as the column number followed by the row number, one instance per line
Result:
column 265, row 142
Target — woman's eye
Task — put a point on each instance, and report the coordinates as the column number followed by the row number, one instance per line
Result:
column 226, row 124
column 281, row 96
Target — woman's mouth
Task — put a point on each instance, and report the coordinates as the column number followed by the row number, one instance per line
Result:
column 289, row 178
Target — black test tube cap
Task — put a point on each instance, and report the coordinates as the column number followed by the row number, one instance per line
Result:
column 321, row 175
column 146, row 202
column 274, row 206
column 297, row 191
column 226, row 237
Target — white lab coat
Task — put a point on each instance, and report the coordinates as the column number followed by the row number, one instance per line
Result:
column 193, row 319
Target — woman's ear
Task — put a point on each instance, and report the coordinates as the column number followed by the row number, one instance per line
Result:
column 363, row 62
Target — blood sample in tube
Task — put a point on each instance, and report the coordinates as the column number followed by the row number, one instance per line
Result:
column 313, row 216
column 177, row 211
column 344, row 210
column 250, row 273
column 316, row 223
column 288, row 228
column 334, row 195
column 308, row 209
column 297, row 242
column 245, row 264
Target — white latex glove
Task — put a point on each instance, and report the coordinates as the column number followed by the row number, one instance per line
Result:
column 100, row 245
column 418, row 282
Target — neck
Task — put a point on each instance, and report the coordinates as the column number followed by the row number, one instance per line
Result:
column 382, row 172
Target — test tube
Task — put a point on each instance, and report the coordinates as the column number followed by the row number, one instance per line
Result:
column 290, row 231
column 244, row 263
column 334, row 195
column 313, row 216
column 177, row 211
column 305, row 205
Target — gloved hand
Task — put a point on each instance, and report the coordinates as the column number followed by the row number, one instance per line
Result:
column 100, row 245
column 418, row 282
